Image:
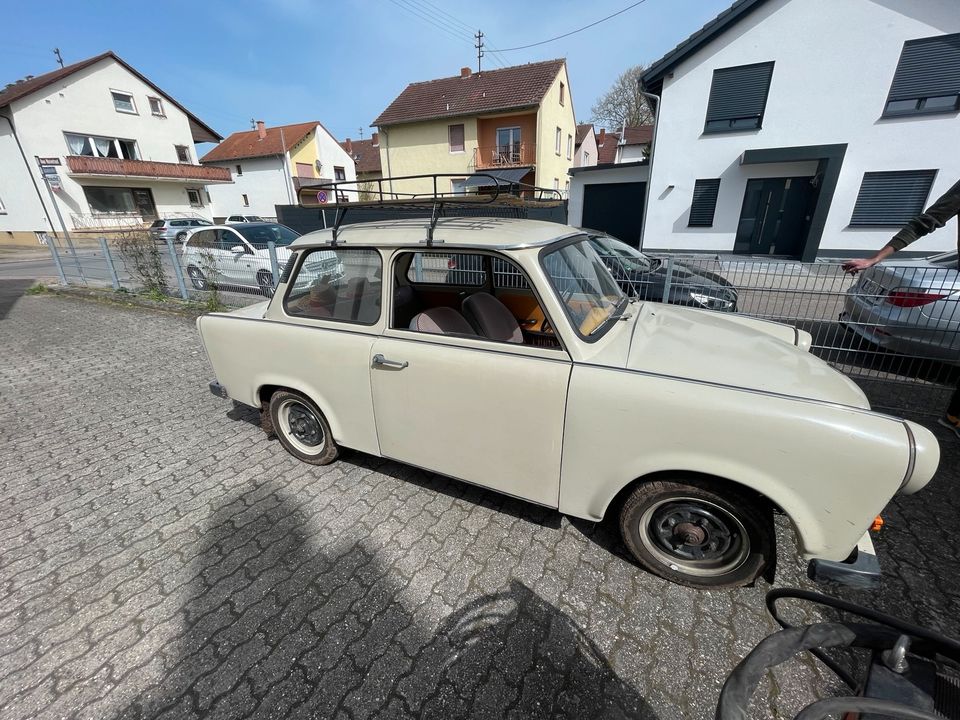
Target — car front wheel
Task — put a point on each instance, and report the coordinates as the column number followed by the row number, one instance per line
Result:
column 698, row 533
column 302, row 429
column 197, row 278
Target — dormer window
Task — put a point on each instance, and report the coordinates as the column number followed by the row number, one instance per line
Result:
column 123, row 102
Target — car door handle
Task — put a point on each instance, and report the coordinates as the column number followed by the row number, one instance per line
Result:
column 380, row 360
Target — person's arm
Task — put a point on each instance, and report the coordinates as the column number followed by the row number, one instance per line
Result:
column 855, row 266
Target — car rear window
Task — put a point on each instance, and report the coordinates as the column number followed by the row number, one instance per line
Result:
column 342, row 284
column 158, row 223
column 446, row 268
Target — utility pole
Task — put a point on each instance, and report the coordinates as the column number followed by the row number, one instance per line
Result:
column 361, row 132
column 479, row 46
column 56, row 51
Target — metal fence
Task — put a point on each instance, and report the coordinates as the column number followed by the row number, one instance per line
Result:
column 895, row 329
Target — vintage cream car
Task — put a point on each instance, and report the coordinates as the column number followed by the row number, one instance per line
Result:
column 502, row 353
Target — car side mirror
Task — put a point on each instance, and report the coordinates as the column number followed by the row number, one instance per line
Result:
column 238, row 249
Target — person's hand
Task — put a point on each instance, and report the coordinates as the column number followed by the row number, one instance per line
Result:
column 855, row 266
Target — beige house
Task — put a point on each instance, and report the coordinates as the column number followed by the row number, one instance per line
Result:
column 516, row 124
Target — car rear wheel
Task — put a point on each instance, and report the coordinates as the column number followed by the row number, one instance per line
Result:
column 265, row 282
column 302, row 429
column 181, row 236
column 197, row 278
column 698, row 533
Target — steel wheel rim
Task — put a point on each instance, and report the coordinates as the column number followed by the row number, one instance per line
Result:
column 197, row 278
column 694, row 536
column 266, row 283
column 301, row 427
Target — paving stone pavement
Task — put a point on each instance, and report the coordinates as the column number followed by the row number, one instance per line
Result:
column 161, row 558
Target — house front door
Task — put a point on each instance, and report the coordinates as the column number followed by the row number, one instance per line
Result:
column 775, row 216
column 143, row 199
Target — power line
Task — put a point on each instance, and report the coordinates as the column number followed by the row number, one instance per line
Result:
column 453, row 22
column 574, row 32
column 431, row 21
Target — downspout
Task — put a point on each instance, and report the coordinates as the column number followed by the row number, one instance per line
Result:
column 653, row 146
column 26, row 164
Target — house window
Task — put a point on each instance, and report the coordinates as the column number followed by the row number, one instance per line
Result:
column 556, row 183
column 123, row 102
column 586, row 158
column 183, row 153
column 156, row 106
column 563, row 90
column 304, row 170
column 704, row 202
column 97, row 146
column 239, row 170
column 194, row 197
column 122, row 200
column 569, row 147
column 458, row 186
column 890, row 199
column 339, row 174
column 738, row 98
column 3, row 208
column 246, row 200
column 558, row 140
column 927, row 79
column 455, row 134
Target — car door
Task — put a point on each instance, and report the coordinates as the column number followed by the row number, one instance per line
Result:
column 490, row 413
column 237, row 268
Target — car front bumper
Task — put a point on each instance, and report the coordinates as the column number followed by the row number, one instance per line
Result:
column 861, row 570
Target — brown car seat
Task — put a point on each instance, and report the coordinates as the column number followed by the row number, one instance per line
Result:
column 441, row 321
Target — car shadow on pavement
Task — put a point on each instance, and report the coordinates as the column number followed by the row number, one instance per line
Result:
column 284, row 614
column 10, row 292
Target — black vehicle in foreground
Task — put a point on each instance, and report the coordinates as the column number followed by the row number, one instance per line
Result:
column 645, row 277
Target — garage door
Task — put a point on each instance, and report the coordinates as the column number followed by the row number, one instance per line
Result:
column 615, row 208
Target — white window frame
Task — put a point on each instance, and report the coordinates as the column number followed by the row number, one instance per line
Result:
column 245, row 199
column 556, row 184
column 114, row 141
column 569, row 147
column 3, row 208
column 133, row 102
column 199, row 202
column 586, row 157
column 186, row 151
column 559, row 140
column 160, row 112
column 562, row 93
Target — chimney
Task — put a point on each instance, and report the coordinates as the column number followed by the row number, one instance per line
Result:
column 465, row 72
column 600, row 137
column 349, row 147
column 375, row 139
column 261, row 130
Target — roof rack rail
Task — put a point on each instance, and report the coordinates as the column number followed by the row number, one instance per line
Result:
column 319, row 195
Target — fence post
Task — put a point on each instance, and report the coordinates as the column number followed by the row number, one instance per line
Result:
column 109, row 258
column 51, row 243
column 177, row 270
column 274, row 265
column 418, row 266
column 668, row 281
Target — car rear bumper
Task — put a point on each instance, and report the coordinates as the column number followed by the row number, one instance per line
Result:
column 860, row 570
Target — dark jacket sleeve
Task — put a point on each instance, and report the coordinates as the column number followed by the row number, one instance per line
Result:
column 934, row 217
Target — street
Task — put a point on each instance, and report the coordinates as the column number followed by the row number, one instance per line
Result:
column 163, row 558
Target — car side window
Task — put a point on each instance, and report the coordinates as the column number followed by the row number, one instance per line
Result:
column 446, row 268
column 204, row 239
column 227, row 239
column 342, row 284
column 178, row 223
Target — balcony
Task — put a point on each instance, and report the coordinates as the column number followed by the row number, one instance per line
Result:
column 505, row 156
column 114, row 167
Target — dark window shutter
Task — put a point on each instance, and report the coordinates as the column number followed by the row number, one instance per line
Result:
column 704, row 202
column 929, row 67
column 891, row 199
column 739, row 92
column 456, row 138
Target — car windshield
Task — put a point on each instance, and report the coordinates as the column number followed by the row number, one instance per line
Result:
column 631, row 259
column 589, row 294
column 260, row 235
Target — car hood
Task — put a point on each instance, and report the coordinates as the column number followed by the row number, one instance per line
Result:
column 735, row 351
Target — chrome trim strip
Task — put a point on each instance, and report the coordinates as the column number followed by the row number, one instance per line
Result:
column 912, row 462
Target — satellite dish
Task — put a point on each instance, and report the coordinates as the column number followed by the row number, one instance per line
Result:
column 319, row 166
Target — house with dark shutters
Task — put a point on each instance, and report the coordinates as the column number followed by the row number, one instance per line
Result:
column 805, row 128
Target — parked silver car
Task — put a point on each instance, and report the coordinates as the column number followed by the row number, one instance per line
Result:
column 911, row 307
column 175, row 228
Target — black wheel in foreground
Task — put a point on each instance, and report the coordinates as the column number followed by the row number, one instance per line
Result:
column 181, row 236
column 197, row 278
column 698, row 533
column 302, row 429
column 265, row 282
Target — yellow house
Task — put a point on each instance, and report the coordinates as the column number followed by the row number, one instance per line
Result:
column 516, row 124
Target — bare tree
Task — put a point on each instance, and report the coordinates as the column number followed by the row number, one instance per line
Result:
column 623, row 104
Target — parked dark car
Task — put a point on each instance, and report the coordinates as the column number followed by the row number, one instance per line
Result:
column 645, row 277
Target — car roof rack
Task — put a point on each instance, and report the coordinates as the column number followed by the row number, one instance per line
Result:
column 373, row 193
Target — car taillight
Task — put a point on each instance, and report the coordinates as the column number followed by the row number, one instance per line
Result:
column 912, row 298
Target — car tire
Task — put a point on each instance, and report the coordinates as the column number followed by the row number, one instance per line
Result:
column 197, row 278
column 265, row 283
column 302, row 429
column 698, row 533
column 181, row 236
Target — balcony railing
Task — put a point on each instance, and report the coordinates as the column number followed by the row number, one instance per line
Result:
column 84, row 165
column 499, row 156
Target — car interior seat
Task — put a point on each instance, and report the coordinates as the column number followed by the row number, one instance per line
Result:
column 405, row 305
column 441, row 321
column 491, row 318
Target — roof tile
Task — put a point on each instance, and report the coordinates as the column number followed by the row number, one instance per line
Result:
column 248, row 144
column 365, row 155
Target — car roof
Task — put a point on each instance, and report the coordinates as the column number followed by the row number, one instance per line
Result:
column 234, row 226
column 483, row 232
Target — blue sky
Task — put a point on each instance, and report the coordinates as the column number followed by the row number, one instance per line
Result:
column 337, row 61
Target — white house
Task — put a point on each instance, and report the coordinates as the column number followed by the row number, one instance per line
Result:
column 800, row 128
column 585, row 148
column 119, row 152
column 268, row 166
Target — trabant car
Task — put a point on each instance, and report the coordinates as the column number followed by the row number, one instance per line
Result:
column 534, row 375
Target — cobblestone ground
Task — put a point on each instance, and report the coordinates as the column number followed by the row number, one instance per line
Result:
column 162, row 558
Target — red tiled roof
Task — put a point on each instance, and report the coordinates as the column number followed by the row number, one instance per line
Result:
column 248, row 144
column 365, row 156
column 582, row 131
column 607, row 153
column 22, row 88
column 490, row 91
column 639, row 135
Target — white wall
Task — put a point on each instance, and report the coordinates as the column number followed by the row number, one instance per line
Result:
column 81, row 103
column 20, row 209
column 332, row 155
column 630, row 153
column 834, row 62
column 588, row 146
column 265, row 182
column 600, row 177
